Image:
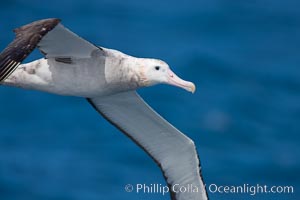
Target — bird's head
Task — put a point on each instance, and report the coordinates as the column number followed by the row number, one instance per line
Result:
column 155, row 71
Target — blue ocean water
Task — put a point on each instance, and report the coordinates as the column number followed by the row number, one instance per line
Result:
column 244, row 118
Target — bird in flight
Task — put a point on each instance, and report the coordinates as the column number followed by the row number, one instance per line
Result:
column 108, row 79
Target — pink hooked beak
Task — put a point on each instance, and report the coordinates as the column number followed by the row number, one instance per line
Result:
column 173, row 79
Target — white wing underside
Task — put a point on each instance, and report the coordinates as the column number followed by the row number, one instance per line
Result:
column 173, row 151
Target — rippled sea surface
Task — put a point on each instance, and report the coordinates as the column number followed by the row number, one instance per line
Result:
column 244, row 118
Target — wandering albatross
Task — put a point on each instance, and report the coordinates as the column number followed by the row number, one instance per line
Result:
column 108, row 79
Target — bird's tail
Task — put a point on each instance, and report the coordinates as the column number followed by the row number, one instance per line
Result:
column 27, row 38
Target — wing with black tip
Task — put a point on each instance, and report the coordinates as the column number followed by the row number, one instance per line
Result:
column 174, row 152
column 53, row 40
column 27, row 38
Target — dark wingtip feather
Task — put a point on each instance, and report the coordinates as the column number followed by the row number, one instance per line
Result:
column 27, row 38
column 36, row 26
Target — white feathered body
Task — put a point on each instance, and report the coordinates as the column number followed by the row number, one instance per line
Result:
column 84, row 77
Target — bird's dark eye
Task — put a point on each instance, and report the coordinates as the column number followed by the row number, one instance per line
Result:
column 157, row 67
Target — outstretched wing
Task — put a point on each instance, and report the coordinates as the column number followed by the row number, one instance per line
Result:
column 53, row 40
column 27, row 37
column 174, row 152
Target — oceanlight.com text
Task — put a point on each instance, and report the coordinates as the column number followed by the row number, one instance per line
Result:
column 250, row 189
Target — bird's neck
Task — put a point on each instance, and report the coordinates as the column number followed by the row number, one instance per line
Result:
column 125, row 69
column 121, row 73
